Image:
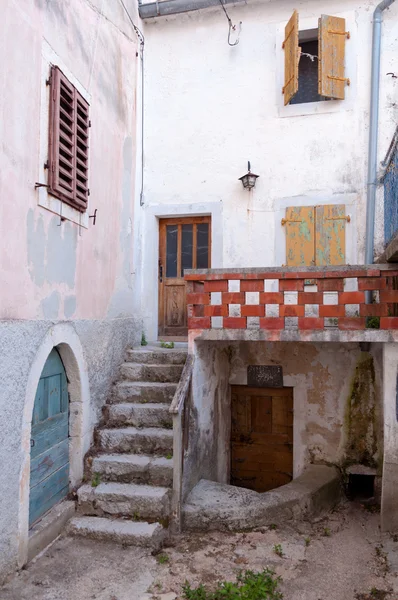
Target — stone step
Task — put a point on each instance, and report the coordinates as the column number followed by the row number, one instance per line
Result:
column 148, row 440
column 134, row 468
column 142, row 502
column 121, row 531
column 151, row 373
column 157, row 356
column 127, row 391
column 138, row 415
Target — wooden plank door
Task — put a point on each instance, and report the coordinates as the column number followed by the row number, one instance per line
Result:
column 49, row 455
column 183, row 244
column 261, row 437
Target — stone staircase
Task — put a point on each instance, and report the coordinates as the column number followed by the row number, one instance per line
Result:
column 130, row 471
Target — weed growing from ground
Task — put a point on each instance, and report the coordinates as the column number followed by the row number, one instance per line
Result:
column 162, row 558
column 143, row 340
column 96, row 480
column 278, row 550
column 248, row 586
column 273, row 526
column 307, row 541
column 169, row 345
column 326, row 532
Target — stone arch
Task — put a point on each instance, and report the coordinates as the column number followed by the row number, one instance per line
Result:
column 64, row 338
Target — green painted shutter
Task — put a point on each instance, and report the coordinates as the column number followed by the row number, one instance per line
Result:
column 330, row 224
column 300, row 236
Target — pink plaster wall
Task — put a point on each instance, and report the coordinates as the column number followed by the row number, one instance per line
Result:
column 47, row 270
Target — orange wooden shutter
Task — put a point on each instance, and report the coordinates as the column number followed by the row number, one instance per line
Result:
column 68, row 142
column 300, row 236
column 330, row 224
column 332, row 36
column 292, row 57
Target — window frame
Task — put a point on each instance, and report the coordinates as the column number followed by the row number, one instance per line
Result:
column 320, row 107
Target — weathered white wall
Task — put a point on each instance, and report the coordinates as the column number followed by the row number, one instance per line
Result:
column 62, row 285
column 389, row 497
column 211, row 107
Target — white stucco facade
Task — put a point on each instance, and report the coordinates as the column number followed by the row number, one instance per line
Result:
column 210, row 108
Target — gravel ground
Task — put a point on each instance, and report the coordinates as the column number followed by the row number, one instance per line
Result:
column 341, row 557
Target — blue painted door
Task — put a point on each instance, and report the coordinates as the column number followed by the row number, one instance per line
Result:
column 49, row 455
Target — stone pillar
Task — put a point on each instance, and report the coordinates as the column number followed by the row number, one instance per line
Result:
column 389, row 495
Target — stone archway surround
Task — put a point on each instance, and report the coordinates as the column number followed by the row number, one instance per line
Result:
column 65, row 339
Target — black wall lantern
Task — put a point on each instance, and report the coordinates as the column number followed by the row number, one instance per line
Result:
column 249, row 180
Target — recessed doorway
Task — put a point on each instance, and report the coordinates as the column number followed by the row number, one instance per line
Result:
column 184, row 243
column 261, row 437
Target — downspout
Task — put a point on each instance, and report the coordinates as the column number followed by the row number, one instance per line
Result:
column 374, row 131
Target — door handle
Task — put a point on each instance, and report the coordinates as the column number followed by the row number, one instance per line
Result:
column 32, row 443
column 160, row 272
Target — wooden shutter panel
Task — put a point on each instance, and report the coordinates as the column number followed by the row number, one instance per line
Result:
column 330, row 224
column 300, row 236
column 292, row 57
column 68, row 142
column 332, row 36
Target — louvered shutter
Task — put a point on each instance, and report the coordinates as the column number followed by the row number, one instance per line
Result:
column 68, row 142
column 300, row 236
column 332, row 38
column 292, row 57
column 330, row 225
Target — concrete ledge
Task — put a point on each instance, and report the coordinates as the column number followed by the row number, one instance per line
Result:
column 218, row 506
column 294, row 335
column 49, row 527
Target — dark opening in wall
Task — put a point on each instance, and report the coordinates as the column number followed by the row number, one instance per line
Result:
column 361, row 487
column 308, row 69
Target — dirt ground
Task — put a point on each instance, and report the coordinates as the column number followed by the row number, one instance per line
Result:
column 341, row 557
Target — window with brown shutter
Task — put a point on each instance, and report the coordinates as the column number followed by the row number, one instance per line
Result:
column 315, row 66
column 68, row 142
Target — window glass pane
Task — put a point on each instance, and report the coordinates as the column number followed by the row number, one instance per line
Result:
column 202, row 246
column 171, row 250
column 186, row 248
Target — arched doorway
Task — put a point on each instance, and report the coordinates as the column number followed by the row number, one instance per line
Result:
column 49, row 454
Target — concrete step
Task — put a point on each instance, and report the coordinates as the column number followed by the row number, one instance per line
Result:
column 134, row 468
column 157, row 356
column 121, row 531
column 148, row 440
column 152, row 373
column 138, row 415
column 126, row 391
column 142, row 502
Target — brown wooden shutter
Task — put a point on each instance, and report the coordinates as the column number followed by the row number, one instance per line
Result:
column 300, row 236
column 332, row 36
column 330, row 224
column 292, row 57
column 68, row 142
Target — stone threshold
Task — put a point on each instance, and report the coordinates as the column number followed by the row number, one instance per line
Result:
column 218, row 506
column 49, row 527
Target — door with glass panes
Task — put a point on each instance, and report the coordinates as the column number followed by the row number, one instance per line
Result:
column 184, row 243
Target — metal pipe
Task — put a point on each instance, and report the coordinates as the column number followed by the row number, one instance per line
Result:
column 374, row 130
column 174, row 7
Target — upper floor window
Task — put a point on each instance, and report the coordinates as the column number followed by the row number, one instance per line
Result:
column 68, row 142
column 315, row 61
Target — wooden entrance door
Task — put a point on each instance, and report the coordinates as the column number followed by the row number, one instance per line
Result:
column 183, row 244
column 261, row 437
column 49, row 455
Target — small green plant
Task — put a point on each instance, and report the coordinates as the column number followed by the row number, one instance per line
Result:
column 278, row 550
column 248, row 586
column 136, row 516
column 169, row 456
column 162, row 558
column 273, row 526
column 307, row 541
column 96, row 480
column 373, row 323
column 326, row 532
column 143, row 340
column 169, row 345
